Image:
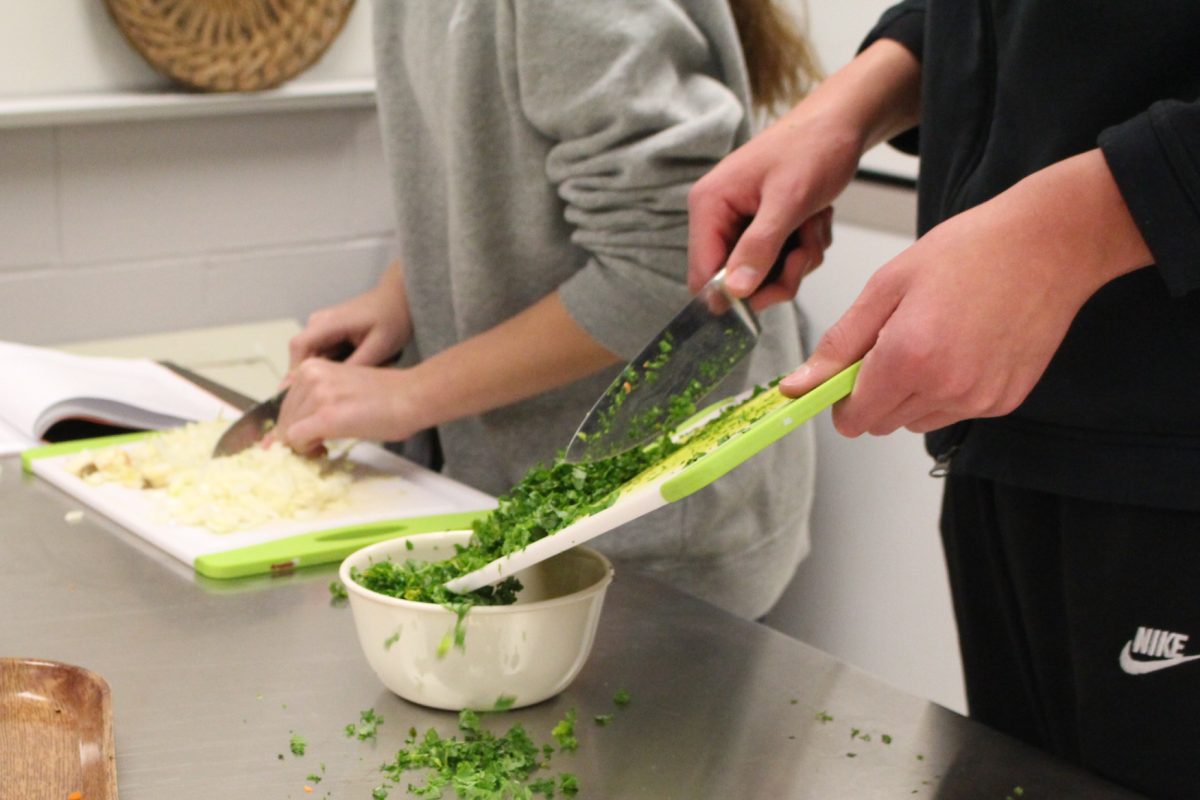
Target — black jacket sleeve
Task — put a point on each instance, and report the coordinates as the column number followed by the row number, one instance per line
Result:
column 1155, row 159
column 903, row 23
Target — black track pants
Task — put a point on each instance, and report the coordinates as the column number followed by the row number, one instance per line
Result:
column 1079, row 625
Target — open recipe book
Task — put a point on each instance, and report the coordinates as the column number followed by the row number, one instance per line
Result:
column 47, row 395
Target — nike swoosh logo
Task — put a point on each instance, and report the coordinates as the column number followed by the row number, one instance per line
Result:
column 1133, row 666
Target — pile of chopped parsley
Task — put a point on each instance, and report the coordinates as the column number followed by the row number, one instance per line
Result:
column 481, row 765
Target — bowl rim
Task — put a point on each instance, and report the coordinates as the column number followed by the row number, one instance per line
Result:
column 416, row 605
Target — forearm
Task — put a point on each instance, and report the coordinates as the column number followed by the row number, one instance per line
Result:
column 392, row 288
column 875, row 96
column 535, row 351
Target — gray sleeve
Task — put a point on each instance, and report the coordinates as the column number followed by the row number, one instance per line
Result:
column 633, row 98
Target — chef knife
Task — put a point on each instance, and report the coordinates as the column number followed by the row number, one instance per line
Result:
column 252, row 426
column 686, row 360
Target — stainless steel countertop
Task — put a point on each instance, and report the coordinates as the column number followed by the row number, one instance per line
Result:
column 209, row 679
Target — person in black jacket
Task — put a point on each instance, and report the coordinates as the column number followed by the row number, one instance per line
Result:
column 1044, row 331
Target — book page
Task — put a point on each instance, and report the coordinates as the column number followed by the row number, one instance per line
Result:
column 11, row 441
column 39, row 387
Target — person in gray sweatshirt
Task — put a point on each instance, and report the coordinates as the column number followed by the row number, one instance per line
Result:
column 541, row 153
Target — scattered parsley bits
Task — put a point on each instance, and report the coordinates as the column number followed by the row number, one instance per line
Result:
column 621, row 698
column 298, row 744
column 503, row 702
column 337, row 591
column 823, row 717
column 886, row 739
column 564, row 733
column 313, row 778
column 367, row 727
column 480, row 766
column 391, row 640
column 603, row 719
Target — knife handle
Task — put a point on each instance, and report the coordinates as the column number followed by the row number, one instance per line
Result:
column 792, row 242
column 341, row 351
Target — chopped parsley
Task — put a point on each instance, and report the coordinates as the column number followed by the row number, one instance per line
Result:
column 823, row 717
column 479, row 766
column 548, row 499
column 621, row 698
column 564, row 733
column 337, row 591
column 603, row 719
column 367, row 727
column 298, row 744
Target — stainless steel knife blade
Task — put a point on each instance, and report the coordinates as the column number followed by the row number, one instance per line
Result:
column 250, row 428
column 682, row 364
column 686, row 360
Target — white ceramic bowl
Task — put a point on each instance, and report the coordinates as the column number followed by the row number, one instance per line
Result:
column 528, row 651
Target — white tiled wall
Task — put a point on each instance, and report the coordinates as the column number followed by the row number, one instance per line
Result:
column 137, row 227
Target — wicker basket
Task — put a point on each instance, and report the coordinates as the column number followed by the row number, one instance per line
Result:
column 230, row 45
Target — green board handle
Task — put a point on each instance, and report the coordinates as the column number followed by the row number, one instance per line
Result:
column 323, row 547
column 758, row 436
column 78, row 446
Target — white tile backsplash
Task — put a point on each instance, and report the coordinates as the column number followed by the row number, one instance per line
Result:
column 134, row 228
column 64, row 304
column 153, row 189
column 290, row 283
column 28, row 212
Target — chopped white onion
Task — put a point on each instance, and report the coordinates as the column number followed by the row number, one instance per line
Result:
column 225, row 494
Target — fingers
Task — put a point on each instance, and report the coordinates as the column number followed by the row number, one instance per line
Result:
column 300, row 425
column 713, row 227
column 816, row 235
column 755, row 252
column 847, row 340
column 320, row 335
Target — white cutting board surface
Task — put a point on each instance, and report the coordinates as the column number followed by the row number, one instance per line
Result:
column 400, row 490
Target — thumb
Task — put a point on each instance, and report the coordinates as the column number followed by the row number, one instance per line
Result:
column 757, row 249
column 372, row 351
column 845, row 342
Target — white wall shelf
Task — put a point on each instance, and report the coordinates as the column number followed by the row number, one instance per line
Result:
column 83, row 109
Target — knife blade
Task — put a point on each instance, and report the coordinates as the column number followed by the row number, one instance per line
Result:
column 679, row 366
column 252, row 426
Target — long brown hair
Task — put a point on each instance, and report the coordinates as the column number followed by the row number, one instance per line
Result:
column 782, row 64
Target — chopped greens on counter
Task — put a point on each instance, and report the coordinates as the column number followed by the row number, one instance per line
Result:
column 337, row 591
column 603, row 719
column 298, row 744
column 564, row 733
column 621, row 698
column 367, row 727
column 480, row 766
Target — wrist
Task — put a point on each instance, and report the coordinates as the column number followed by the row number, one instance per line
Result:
column 1077, row 210
column 875, row 96
column 413, row 401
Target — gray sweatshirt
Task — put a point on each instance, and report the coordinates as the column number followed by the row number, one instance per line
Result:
column 537, row 145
